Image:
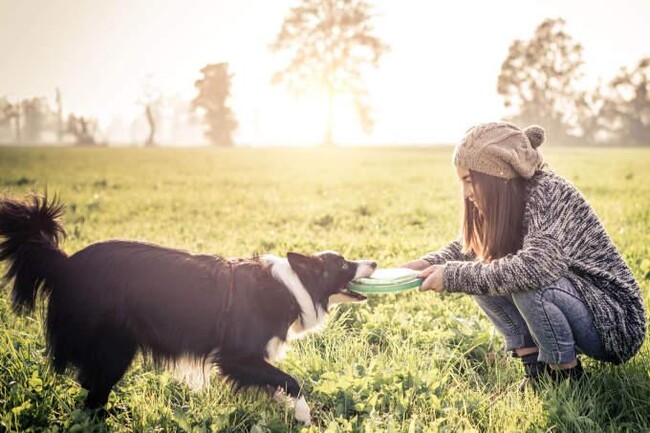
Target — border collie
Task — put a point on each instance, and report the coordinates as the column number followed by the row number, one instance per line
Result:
column 113, row 298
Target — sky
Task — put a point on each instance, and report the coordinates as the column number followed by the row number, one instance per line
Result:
column 438, row 79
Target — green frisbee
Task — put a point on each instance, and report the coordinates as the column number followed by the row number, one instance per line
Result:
column 391, row 280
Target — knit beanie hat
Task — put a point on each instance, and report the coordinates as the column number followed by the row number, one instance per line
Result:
column 501, row 149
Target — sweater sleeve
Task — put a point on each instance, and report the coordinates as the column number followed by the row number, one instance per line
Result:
column 540, row 262
column 452, row 251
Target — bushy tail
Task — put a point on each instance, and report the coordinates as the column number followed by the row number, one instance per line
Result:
column 29, row 240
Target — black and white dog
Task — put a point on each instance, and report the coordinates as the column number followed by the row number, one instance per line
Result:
column 113, row 298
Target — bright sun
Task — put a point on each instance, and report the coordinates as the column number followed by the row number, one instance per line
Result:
column 303, row 120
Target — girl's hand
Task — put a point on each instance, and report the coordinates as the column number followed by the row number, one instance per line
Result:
column 433, row 278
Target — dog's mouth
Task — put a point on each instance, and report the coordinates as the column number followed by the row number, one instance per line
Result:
column 346, row 296
column 357, row 296
column 365, row 268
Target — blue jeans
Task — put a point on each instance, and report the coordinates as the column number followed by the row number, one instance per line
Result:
column 555, row 319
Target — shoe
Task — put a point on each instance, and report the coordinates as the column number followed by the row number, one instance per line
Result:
column 533, row 371
column 573, row 373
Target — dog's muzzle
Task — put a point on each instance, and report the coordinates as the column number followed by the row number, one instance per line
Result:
column 365, row 268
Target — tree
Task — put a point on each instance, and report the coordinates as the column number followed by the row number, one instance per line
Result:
column 151, row 100
column 627, row 106
column 59, row 116
column 330, row 43
column 148, row 111
column 538, row 79
column 214, row 92
column 590, row 122
column 36, row 114
column 83, row 129
column 10, row 112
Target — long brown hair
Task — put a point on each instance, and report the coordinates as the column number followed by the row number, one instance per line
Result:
column 493, row 227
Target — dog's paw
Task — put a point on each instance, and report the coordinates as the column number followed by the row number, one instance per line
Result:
column 302, row 412
column 281, row 397
column 299, row 405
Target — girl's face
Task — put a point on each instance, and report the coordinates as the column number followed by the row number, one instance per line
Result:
column 466, row 181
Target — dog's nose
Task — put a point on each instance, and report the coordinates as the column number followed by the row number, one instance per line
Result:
column 373, row 265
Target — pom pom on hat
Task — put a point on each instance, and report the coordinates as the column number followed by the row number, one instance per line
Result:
column 536, row 135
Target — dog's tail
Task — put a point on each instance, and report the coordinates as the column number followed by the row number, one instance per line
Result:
column 29, row 240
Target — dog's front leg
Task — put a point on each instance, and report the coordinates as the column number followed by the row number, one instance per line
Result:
column 253, row 371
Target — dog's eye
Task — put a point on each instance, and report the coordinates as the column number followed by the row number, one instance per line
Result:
column 345, row 266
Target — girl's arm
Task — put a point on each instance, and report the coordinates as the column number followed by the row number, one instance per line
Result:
column 540, row 262
column 452, row 251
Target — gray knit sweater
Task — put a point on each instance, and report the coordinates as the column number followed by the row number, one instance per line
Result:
column 563, row 238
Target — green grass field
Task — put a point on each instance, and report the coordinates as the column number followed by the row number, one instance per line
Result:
column 412, row 362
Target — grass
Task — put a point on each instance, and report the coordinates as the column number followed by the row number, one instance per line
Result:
column 412, row 362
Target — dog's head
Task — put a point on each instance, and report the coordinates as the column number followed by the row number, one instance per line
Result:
column 326, row 275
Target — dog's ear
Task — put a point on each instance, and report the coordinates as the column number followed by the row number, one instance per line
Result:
column 300, row 263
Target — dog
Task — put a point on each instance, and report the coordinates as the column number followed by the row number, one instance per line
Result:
column 114, row 298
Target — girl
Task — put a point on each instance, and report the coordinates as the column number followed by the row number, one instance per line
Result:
column 536, row 258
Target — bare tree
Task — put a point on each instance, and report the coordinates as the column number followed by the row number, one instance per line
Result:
column 59, row 116
column 151, row 100
column 330, row 43
column 212, row 99
column 152, row 126
column 538, row 79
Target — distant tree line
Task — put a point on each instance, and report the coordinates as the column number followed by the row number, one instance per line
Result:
column 328, row 44
column 540, row 83
column 27, row 120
